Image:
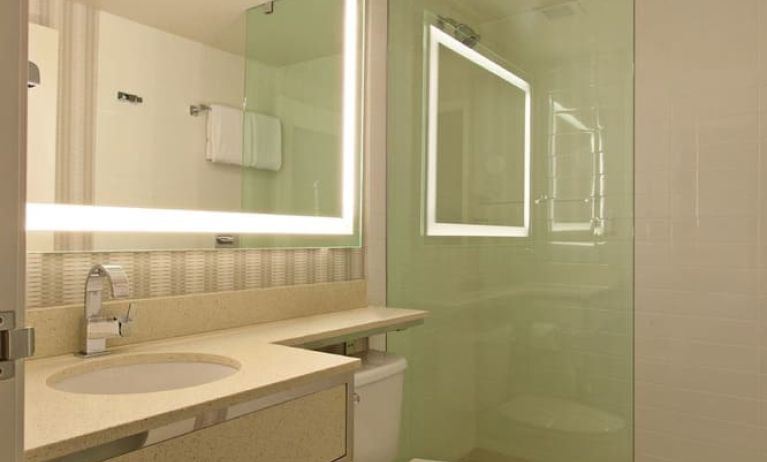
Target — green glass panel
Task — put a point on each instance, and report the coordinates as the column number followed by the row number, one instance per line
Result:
column 295, row 74
column 527, row 353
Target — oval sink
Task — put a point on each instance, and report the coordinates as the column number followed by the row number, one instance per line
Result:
column 144, row 373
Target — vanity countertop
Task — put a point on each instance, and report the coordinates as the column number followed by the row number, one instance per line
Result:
column 60, row 423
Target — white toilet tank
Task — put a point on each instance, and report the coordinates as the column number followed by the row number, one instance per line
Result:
column 378, row 408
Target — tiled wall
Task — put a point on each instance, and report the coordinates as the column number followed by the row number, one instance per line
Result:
column 58, row 279
column 701, row 248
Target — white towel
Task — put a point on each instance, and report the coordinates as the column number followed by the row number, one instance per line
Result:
column 224, row 135
column 263, row 142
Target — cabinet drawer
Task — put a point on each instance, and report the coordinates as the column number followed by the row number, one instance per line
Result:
column 312, row 428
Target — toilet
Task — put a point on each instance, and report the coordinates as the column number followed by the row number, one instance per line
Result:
column 378, row 407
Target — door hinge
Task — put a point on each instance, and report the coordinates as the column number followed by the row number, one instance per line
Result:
column 15, row 344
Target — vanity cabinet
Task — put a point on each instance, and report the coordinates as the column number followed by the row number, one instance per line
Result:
column 312, row 428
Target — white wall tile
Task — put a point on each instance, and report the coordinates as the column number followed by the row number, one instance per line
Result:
column 701, row 346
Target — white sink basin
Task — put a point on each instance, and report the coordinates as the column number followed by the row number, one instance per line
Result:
column 143, row 373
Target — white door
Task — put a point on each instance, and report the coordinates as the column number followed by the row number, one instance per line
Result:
column 13, row 71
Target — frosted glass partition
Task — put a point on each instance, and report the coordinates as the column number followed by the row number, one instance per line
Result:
column 527, row 353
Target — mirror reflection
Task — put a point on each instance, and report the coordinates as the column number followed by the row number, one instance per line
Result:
column 229, row 106
column 294, row 85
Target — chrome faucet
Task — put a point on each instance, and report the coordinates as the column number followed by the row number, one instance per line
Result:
column 97, row 327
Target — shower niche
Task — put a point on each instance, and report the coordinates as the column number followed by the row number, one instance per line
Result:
column 478, row 130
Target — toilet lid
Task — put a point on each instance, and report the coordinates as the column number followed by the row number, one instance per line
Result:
column 377, row 366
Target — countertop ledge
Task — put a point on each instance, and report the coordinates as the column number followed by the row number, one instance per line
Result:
column 60, row 423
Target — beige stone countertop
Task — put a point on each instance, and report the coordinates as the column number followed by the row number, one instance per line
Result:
column 60, row 423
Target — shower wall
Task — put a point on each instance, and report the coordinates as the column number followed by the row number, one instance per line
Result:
column 701, row 255
column 527, row 353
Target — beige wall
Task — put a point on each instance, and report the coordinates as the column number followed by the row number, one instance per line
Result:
column 701, row 253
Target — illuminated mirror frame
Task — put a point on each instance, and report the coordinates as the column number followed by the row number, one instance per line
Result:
column 86, row 218
column 438, row 38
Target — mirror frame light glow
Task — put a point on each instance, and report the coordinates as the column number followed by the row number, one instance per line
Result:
column 86, row 218
column 438, row 38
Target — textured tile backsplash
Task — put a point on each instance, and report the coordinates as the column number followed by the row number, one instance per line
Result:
column 58, row 278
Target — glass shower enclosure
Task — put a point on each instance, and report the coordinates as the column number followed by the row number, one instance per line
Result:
column 511, row 221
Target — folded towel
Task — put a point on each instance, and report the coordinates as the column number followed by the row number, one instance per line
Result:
column 249, row 140
column 263, row 142
column 224, row 135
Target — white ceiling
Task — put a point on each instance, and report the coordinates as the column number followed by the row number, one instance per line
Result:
column 523, row 31
column 298, row 30
column 493, row 10
column 515, row 28
column 219, row 23
column 531, row 37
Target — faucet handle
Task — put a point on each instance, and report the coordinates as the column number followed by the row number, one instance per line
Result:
column 104, row 328
column 126, row 323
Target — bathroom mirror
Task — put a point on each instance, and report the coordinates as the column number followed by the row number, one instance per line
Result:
column 478, row 139
column 200, row 124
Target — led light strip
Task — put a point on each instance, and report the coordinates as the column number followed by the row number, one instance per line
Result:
column 433, row 228
column 85, row 218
